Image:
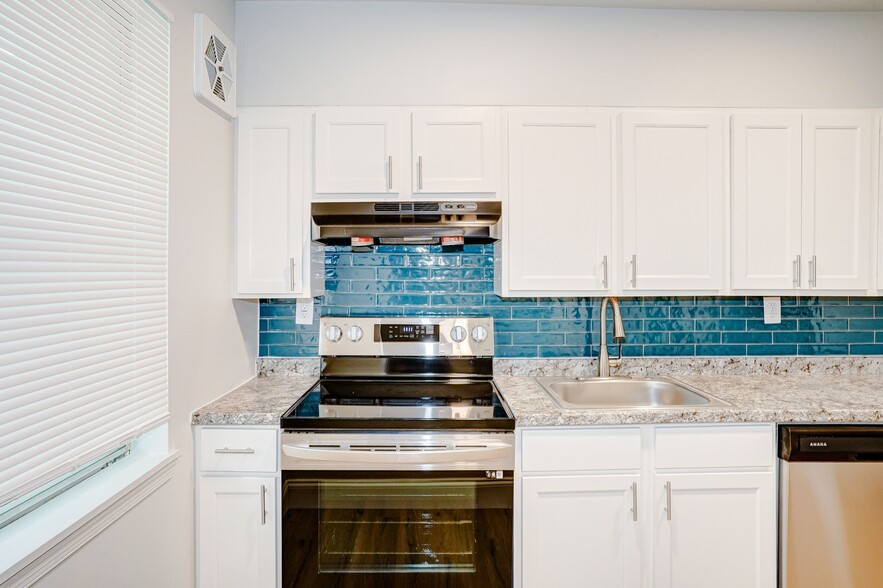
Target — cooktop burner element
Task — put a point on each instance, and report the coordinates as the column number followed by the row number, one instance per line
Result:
column 403, row 373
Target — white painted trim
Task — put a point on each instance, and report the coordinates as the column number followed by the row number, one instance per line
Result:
column 51, row 534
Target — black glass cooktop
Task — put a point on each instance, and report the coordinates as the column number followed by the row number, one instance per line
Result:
column 362, row 404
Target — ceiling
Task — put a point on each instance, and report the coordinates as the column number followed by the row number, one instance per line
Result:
column 769, row 5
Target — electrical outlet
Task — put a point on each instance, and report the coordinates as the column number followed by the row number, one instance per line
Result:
column 303, row 312
column 772, row 310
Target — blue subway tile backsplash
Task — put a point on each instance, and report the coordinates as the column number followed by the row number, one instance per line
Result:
column 424, row 281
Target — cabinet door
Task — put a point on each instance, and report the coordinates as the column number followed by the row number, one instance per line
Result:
column 358, row 151
column 720, row 530
column 237, row 532
column 580, row 531
column 837, row 200
column 269, row 238
column 673, row 194
column 454, row 150
column 558, row 217
column 766, row 201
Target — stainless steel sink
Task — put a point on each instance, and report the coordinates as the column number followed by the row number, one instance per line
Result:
column 658, row 392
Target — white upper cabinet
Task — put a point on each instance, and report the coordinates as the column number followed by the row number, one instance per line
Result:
column 454, row 150
column 559, row 208
column 272, row 251
column 672, row 201
column 766, row 200
column 801, row 201
column 837, row 200
column 358, row 151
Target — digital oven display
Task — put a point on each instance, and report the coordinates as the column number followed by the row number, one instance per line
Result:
column 409, row 333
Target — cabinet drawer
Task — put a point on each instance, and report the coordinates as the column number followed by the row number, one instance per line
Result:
column 238, row 450
column 581, row 449
column 715, row 446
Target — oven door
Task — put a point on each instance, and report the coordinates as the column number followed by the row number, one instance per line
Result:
column 394, row 529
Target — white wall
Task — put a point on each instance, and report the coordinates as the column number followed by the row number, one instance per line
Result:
column 304, row 53
column 212, row 340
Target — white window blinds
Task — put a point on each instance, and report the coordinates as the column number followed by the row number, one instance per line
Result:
column 84, row 117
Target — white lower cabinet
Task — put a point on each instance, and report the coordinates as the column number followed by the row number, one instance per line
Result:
column 694, row 506
column 237, row 532
column 237, row 512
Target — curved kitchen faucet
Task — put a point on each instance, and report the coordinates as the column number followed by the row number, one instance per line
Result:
column 604, row 361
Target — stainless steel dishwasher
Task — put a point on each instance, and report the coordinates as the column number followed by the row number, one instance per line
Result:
column 831, row 506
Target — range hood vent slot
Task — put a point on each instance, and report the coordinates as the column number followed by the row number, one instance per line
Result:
column 406, row 207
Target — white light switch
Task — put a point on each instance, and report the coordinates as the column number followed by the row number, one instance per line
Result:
column 303, row 312
column 772, row 310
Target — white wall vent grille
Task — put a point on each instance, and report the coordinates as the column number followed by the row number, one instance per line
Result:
column 215, row 73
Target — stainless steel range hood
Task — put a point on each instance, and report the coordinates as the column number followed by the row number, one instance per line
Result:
column 408, row 223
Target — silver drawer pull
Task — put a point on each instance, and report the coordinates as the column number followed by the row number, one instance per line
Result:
column 634, row 501
column 668, row 500
column 226, row 450
column 263, row 504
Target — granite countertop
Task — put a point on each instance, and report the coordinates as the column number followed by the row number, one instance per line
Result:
column 804, row 395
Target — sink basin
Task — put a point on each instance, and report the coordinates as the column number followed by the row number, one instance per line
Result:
column 597, row 393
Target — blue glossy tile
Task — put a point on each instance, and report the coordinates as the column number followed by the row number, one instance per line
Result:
column 643, row 338
column 433, row 260
column 538, row 338
column 632, row 350
column 292, row 351
column 798, row 337
column 720, row 301
column 537, row 313
column 759, row 325
column 563, row 351
column 403, row 299
column 431, row 311
column 866, row 324
column 467, row 260
column 279, row 324
column 457, row 299
column 402, row 273
column 720, row 325
column 866, row 349
column 865, row 301
column 482, row 286
column 558, row 326
column 307, row 338
column 378, row 311
column 669, row 325
column 746, row 337
column 823, row 324
column 497, row 312
column 457, row 274
column 718, row 350
column 515, row 326
column 269, row 310
column 822, row 349
column 427, row 286
column 668, row 350
column 337, row 285
column 801, row 311
column 849, row 337
column 348, row 299
column 350, row 273
column 696, row 337
column 374, row 286
column 503, row 338
column 771, row 350
column 848, row 311
column 277, row 338
column 644, row 312
column 375, row 260
column 700, row 312
column 515, row 351
column 742, row 312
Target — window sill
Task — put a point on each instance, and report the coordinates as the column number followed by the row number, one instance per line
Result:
column 33, row 545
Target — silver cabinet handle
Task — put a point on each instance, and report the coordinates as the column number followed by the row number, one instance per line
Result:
column 227, row 450
column 604, row 265
column 795, row 271
column 420, row 172
column 389, row 172
column 635, row 501
column 292, row 267
column 668, row 500
column 813, row 271
column 263, row 504
column 634, row 271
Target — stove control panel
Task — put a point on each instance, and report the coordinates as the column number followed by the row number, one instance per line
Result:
column 401, row 336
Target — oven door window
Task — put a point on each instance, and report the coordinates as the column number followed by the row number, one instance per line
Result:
column 380, row 528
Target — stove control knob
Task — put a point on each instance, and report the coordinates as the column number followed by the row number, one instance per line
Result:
column 354, row 333
column 333, row 333
column 479, row 334
column 459, row 334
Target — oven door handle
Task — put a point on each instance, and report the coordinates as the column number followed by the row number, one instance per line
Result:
column 434, row 456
